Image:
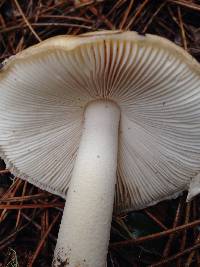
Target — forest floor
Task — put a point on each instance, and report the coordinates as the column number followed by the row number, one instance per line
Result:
column 167, row 234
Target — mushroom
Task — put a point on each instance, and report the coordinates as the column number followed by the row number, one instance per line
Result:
column 100, row 119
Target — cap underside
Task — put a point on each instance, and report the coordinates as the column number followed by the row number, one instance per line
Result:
column 42, row 100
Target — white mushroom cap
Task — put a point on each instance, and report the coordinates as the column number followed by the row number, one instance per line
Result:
column 45, row 89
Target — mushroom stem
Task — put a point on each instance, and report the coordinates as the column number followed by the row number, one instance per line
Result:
column 85, row 228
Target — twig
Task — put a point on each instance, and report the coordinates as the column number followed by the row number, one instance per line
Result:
column 41, row 243
column 153, row 16
column 19, row 211
column 189, row 260
column 46, row 24
column 183, row 241
column 190, row 5
column 12, row 235
column 24, row 198
column 162, row 226
column 183, row 37
column 37, row 225
column 175, row 223
column 138, row 12
column 154, row 236
column 121, row 26
column 174, row 257
column 32, row 206
column 26, row 21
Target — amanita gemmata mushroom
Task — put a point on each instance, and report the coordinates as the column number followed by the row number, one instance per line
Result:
column 100, row 119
